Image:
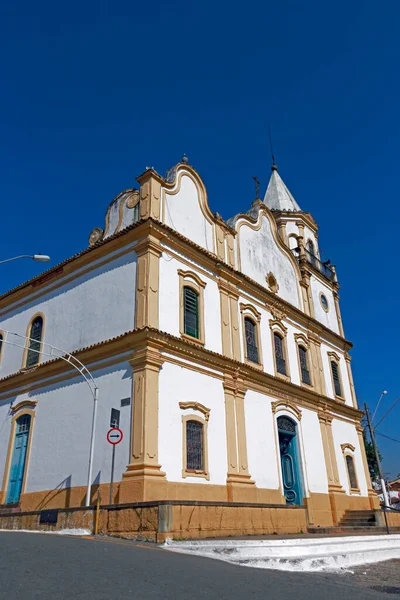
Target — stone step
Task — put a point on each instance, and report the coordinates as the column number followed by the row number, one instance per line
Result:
column 348, row 530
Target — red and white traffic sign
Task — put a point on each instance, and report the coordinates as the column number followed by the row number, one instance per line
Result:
column 114, row 436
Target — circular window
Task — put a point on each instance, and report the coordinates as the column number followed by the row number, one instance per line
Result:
column 324, row 302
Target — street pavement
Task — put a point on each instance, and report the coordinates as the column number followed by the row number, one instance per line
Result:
column 50, row 567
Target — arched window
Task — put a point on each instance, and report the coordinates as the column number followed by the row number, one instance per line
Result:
column 351, row 472
column 279, row 354
column 191, row 312
column 311, row 252
column 194, row 446
column 336, row 378
column 310, row 247
column 251, row 340
column 305, row 373
column 35, row 335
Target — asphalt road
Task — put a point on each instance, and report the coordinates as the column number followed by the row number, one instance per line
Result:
column 50, row 567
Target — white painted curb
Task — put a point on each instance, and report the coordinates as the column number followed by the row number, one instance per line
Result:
column 319, row 554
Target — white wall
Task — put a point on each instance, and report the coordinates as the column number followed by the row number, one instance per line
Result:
column 261, row 447
column 93, row 307
column 61, row 431
column 260, row 254
column 314, row 452
column 183, row 213
column 169, row 301
column 178, row 384
column 346, row 433
column 329, row 319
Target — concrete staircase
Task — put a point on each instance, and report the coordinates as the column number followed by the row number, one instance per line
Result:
column 359, row 519
column 304, row 554
column 367, row 522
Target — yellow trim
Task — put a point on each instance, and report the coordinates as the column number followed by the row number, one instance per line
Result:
column 28, row 335
column 272, row 283
column 282, row 405
column 204, row 473
column 167, row 235
column 110, row 351
column 335, row 358
column 347, row 358
column 23, row 404
column 238, row 468
column 193, row 281
column 196, row 406
column 327, row 303
column 148, row 253
column 16, row 416
column 303, row 342
column 277, row 327
column 174, row 188
column 249, row 312
column 348, row 450
column 146, row 363
column 338, row 313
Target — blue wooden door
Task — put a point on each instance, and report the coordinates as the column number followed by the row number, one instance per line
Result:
column 17, row 469
column 291, row 474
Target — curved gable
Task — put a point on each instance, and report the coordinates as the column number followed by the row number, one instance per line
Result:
column 261, row 252
column 185, row 207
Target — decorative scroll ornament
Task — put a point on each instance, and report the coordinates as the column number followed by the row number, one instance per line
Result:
column 96, row 236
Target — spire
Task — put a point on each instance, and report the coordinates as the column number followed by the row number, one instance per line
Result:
column 277, row 196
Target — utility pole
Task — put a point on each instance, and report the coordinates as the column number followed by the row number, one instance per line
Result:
column 378, row 462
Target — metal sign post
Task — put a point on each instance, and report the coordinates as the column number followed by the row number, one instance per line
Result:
column 114, row 437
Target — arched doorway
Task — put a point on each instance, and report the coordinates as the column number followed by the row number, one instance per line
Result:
column 18, row 461
column 290, row 460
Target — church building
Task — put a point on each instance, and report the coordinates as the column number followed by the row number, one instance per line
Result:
column 220, row 343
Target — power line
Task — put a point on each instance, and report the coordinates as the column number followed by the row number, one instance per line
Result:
column 388, row 437
column 385, row 415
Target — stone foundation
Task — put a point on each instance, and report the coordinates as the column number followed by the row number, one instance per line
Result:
column 162, row 520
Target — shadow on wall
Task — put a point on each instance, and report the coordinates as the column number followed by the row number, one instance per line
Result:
column 63, row 487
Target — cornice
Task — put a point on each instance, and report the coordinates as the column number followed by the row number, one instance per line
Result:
column 240, row 280
column 149, row 342
column 171, row 237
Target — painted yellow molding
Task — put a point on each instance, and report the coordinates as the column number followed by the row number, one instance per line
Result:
column 196, row 406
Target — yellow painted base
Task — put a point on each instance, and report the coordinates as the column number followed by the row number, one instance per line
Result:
column 321, row 510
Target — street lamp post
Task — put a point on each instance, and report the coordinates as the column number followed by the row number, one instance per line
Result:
column 377, row 406
column 36, row 257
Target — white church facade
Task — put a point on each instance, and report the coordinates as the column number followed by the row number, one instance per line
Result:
column 221, row 343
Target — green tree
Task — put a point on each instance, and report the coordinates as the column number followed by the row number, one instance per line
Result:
column 371, row 459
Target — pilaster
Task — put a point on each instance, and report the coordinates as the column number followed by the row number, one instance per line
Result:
column 347, row 358
column 229, row 320
column 148, row 252
column 315, row 343
column 150, row 195
column 338, row 313
column 282, row 232
column 143, row 465
column 238, row 477
column 335, row 489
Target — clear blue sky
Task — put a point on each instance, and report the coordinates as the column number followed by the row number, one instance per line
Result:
column 93, row 92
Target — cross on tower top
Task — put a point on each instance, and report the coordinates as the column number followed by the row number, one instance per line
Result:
column 257, row 184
